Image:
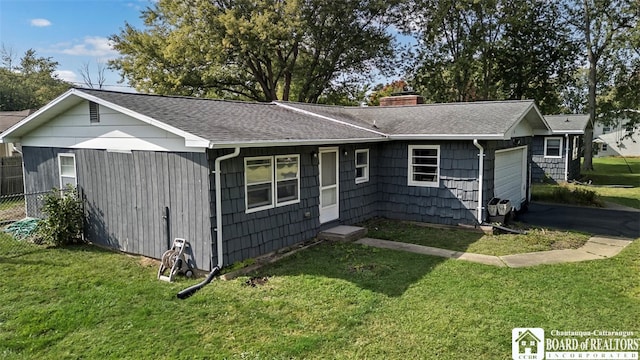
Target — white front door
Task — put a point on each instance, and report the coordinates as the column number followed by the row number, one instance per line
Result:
column 328, row 164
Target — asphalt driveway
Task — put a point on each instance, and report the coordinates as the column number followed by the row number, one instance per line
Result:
column 590, row 220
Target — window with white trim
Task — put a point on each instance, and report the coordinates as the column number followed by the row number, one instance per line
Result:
column 424, row 165
column 362, row 165
column 269, row 175
column 605, row 147
column 67, row 170
column 287, row 179
column 576, row 145
column 553, row 147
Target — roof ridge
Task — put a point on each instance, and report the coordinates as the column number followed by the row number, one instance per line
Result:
column 352, row 107
column 171, row 96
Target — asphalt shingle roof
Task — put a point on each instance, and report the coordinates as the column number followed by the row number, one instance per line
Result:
column 233, row 121
column 236, row 122
column 10, row 118
column 475, row 118
column 567, row 123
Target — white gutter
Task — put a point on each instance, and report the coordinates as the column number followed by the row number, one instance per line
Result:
column 566, row 157
column 480, row 209
column 218, row 229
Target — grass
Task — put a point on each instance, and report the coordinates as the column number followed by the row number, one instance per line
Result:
column 334, row 300
column 614, row 171
column 607, row 171
column 464, row 240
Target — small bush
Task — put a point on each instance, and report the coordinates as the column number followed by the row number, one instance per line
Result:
column 576, row 196
column 64, row 217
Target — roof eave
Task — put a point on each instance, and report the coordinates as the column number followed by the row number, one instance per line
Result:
column 8, row 136
column 291, row 142
column 448, row 137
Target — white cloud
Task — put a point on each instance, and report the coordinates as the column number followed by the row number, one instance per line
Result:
column 40, row 22
column 67, row 75
column 95, row 46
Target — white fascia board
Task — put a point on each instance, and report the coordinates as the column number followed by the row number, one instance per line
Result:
column 7, row 135
column 449, row 137
column 191, row 140
column 275, row 143
column 570, row 132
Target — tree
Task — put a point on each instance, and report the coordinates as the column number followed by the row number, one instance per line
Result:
column 491, row 50
column 457, row 40
column 536, row 55
column 87, row 79
column 603, row 26
column 253, row 49
column 380, row 91
column 30, row 84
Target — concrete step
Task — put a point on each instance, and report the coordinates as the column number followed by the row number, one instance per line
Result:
column 343, row 233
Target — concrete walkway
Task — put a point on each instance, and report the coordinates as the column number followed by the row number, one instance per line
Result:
column 595, row 248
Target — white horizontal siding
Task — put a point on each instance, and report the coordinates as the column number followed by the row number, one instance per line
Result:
column 115, row 131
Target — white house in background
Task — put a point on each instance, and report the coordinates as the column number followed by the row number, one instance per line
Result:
column 613, row 140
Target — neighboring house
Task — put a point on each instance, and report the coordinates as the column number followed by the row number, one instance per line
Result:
column 241, row 179
column 7, row 120
column 556, row 157
column 613, row 140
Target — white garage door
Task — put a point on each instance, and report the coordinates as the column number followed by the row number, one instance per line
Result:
column 510, row 175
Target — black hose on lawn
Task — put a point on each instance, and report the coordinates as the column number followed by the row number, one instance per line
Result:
column 193, row 289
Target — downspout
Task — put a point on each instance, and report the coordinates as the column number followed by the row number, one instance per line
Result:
column 218, row 228
column 192, row 290
column 480, row 209
column 566, row 158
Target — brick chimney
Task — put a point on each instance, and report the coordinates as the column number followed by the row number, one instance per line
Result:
column 402, row 99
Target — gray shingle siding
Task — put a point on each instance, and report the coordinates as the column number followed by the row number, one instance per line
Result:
column 552, row 169
column 453, row 202
column 247, row 235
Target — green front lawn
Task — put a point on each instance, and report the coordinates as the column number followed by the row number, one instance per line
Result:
column 469, row 241
column 331, row 301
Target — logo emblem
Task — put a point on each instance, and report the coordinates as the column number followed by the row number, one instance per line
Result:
column 527, row 343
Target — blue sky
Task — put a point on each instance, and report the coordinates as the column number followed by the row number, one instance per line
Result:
column 71, row 32
column 74, row 32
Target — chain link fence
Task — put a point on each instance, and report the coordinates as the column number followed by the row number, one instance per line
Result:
column 19, row 216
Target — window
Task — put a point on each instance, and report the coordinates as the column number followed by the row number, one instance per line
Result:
column 362, row 166
column 424, row 165
column 263, row 180
column 576, row 146
column 94, row 113
column 553, row 147
column 67, row 170
column 287, row 179
column 605, row 147
column 606, row 129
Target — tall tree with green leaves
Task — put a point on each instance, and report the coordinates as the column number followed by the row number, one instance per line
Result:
column 253, row 49
column 29, row 83
column 604, row 26
column 491, row 50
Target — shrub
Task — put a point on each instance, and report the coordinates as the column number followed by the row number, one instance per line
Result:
column 578, row 196
column 64, row 217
